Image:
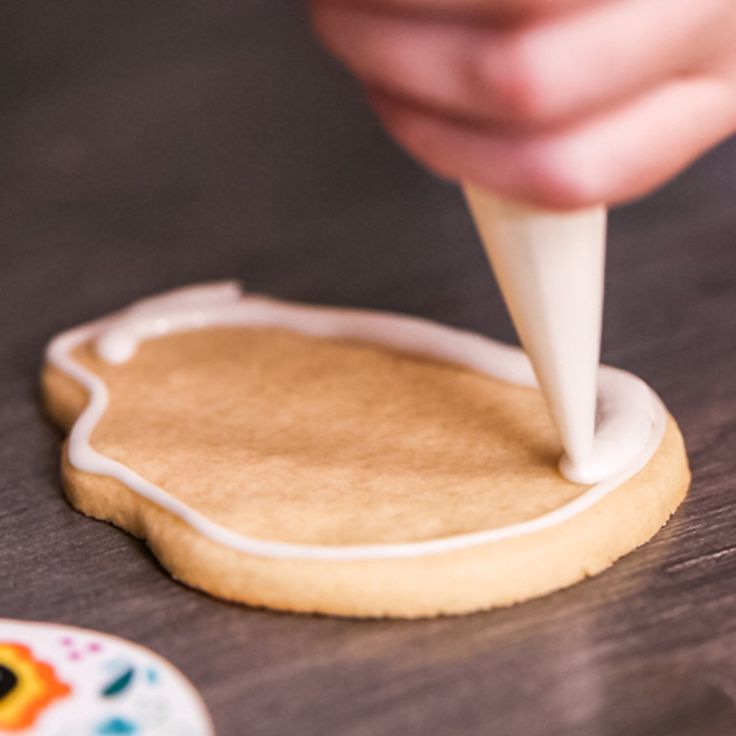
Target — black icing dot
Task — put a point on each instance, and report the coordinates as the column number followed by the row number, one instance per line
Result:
column 8, row 681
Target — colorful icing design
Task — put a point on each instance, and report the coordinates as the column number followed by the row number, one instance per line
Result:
column 59, row 681
column 630, row 424
column 27, row 687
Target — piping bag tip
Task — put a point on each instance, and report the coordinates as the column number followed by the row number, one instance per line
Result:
column 549, row 265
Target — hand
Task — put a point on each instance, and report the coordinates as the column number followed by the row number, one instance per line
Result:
column 563, row 103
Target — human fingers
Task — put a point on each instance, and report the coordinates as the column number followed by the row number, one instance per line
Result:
column 611, row 158
column 496, row 9
column 533, row 75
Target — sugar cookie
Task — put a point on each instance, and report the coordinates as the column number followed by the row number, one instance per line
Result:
column 61, row 680
column 342, row 461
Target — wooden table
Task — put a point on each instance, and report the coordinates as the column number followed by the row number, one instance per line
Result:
column 154, row 144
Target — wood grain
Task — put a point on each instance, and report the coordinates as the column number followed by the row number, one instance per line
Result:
column 144, row 146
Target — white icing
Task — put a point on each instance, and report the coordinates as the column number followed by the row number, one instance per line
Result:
column 157, row 701
column 630, row 426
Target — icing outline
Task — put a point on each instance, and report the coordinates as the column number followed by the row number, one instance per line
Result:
column 627, row 404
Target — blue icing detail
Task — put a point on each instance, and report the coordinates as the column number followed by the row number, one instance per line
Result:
column 117, row 663
column 116, row 727
column 151, row 675
column 119, row 684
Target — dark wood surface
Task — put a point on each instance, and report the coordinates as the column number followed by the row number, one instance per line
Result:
column 147, row 145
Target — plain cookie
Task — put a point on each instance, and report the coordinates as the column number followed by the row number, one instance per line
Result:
column 277, row 435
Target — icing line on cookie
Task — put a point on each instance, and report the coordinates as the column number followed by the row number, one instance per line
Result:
column 630, row 424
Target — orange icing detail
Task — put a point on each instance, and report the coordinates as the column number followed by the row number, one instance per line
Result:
column 36, row 688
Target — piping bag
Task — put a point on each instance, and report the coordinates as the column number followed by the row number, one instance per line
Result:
column 550, row 267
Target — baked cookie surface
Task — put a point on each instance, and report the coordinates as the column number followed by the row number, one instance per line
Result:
column 329, row 473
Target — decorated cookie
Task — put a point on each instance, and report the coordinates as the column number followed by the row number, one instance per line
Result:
column 62, row 681
column 343, row 461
